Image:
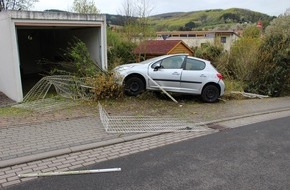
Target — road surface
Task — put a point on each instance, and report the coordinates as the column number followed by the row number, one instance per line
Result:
column 256, row 157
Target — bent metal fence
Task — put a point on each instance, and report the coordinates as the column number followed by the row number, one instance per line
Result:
column 141, row 124
column 65, row 85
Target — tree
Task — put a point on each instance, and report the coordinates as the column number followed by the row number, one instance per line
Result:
column 287, row 12
column 85, row 7
column 136, row 24
column 16, row 4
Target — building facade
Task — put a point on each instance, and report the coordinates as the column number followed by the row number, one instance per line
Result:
column 198, row 38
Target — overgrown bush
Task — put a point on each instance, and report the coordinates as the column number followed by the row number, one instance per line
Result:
column 261, row 63
column 271, row 74
column 78, row 56
column 90, row 80
column 119, row 49
column 209, row 52
column 105, row 86
column 238, row 63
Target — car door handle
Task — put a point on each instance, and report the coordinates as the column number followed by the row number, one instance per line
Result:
column 202, row 75
column 175, row 73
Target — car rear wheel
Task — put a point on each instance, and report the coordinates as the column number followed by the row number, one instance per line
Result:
column 134, row 86
column 210, row 94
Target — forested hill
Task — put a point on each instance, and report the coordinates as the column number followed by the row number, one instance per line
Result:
column 201, row 20
column 207, row 19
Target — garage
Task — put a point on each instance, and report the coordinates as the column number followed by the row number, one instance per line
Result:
column 28, row 37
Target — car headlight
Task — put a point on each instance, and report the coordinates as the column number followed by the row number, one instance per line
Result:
column 123, row 68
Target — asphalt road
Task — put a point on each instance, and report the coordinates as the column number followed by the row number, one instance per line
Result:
column 251, row 157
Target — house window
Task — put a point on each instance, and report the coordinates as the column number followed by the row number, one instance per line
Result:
column 223, row 40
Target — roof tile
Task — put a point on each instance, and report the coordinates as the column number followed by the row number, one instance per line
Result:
column 156, row 47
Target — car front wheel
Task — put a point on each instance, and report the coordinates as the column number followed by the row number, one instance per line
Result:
column 134, row 86
column 210, row 94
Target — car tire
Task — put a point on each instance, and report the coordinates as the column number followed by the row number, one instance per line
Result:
column 134, row 86
column 210, row 94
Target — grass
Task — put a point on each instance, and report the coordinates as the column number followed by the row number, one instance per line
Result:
column 11, row 111
column 150, row 104
column 147, row 104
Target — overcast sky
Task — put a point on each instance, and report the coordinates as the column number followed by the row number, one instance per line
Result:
column 270, row 7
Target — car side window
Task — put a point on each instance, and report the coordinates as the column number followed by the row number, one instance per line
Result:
column 172, row 62
column 193, row 64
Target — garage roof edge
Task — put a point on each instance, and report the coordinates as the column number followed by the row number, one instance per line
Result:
column 38, row 15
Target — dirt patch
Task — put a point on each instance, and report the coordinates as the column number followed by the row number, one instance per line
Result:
column 5, row 101
column 26, row 117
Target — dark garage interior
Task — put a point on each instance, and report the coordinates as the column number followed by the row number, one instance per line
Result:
column 47, row 43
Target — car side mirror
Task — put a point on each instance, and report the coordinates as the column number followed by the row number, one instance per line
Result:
column 157, row 66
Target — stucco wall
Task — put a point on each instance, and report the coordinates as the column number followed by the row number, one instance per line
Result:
column 10, row 82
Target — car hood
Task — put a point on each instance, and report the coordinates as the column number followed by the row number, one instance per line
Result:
column 129, row 66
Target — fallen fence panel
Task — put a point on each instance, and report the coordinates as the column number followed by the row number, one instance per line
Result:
column 70, row 172
column 141, row 124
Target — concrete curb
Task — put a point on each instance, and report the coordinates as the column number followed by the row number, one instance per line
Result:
column 245, row 116
column 21, row 160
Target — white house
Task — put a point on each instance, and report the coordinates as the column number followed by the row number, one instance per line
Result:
column 28, row 36
column 198, row 38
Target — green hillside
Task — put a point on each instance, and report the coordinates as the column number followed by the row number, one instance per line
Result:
column 207, row 19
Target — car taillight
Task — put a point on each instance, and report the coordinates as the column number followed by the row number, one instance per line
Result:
column 220, row 76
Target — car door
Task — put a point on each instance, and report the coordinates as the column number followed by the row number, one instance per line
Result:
column 193, row 76
column 168, row 74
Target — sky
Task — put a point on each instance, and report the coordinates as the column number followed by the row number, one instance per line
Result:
column 270, row 7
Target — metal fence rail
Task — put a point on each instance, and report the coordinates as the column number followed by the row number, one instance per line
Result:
column 141, row 124
column 65, row 85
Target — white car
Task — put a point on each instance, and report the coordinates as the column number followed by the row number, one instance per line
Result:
column 177, row 73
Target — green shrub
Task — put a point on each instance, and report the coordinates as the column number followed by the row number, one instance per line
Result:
column 105, row 86
column 239, row 62
column 78, row 54
column 271, row 74
column 119, row 49
column 209, row 52
column 76, row 61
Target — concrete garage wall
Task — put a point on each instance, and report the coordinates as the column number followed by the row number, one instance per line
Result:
column 91, row 38
column 10, row 80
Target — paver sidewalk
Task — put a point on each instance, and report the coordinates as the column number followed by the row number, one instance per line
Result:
column 28, row 140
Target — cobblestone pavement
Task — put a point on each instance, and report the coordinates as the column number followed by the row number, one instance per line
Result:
column 71, row 144
column 27, row 140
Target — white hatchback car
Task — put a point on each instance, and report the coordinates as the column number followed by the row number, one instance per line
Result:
column 177, row 73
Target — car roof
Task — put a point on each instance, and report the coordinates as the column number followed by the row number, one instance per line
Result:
column 172, row 55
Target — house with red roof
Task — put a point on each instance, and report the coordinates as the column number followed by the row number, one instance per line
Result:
column 154, row 48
